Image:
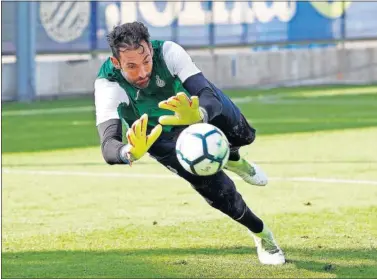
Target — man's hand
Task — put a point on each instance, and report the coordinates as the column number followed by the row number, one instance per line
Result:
column 138, row 140
column 186, row 110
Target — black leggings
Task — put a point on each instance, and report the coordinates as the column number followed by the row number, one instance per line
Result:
column 218, row 189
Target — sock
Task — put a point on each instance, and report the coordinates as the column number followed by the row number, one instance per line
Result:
column 251, row 221
column 234, row 155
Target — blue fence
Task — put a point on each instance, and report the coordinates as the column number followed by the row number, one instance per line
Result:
column 82, row 26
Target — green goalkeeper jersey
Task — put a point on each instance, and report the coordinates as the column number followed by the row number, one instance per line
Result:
column 116, row 98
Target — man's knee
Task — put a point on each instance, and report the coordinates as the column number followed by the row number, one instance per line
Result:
column 249, row 134
column 241, row 134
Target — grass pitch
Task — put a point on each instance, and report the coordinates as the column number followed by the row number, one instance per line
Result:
column 66, row 214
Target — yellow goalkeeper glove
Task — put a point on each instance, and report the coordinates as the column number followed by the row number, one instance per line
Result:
column 138, row 140
column 186, row 110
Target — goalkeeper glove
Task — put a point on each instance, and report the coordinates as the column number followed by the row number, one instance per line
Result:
column 138, row 140
column 187, row 111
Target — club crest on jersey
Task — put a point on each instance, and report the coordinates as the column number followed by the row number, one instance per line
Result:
column 160, row 82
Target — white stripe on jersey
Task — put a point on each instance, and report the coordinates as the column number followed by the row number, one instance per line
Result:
column 178, row 61
column 108, row 95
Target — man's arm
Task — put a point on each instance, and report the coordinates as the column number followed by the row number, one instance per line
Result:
column 110, row 133
column 197, row 85
column 180, row 64
column 108, row 95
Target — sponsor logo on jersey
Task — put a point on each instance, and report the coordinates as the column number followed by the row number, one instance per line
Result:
column 160, row 82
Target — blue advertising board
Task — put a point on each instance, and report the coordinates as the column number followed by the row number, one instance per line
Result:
column 82, row 26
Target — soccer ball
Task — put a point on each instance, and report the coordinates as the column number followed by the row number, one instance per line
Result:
column 202, row 149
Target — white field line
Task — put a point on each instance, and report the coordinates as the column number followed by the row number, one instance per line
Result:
column 171, row 176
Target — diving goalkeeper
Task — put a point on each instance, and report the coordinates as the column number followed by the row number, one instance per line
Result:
column 154, row 88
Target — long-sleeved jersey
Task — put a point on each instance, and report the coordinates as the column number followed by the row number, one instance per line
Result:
column 117, row 102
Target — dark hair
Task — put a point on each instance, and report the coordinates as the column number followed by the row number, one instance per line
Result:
column 128, row 35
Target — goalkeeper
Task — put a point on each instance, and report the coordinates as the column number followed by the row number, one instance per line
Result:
column 155, row 89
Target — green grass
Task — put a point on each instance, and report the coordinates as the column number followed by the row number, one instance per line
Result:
column 66, row 214
column 274, row 111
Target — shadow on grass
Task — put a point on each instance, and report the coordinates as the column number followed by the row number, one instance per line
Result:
column 186, row 263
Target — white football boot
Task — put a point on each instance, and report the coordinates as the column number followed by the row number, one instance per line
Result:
column 269, row 252
column 250, row 173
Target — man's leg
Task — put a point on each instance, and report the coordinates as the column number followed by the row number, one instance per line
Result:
column 240, row 135
column 229, row 119
column 220, row 192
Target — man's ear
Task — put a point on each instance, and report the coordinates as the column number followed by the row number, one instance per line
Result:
column 115, row 62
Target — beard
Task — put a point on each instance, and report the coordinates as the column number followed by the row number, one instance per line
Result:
column 143, row 83
column 140, row 83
